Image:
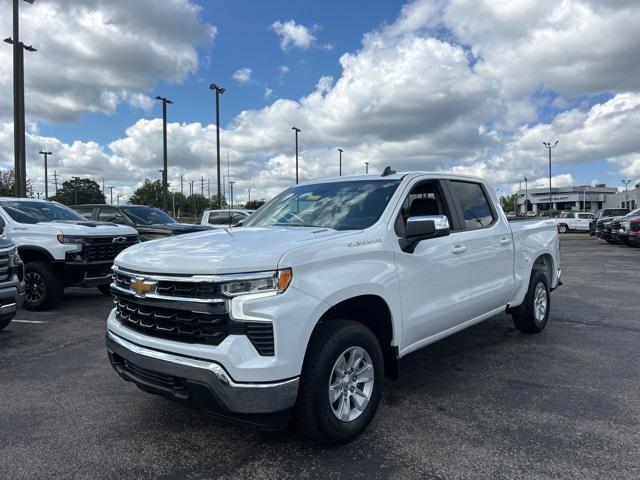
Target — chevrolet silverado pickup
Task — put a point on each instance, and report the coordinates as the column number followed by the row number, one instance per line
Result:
column 60, row 248
column 309, row 306
column 11, row 282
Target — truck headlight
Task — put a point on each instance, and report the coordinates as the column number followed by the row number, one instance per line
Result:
column 245, row 284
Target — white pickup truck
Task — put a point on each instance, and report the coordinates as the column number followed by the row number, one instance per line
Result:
column 60, row 248
column 309, row 305
column 574, row 221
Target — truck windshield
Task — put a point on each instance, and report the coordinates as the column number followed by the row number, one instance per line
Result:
column 349, row 205
column 36, row 212
column 147, row 216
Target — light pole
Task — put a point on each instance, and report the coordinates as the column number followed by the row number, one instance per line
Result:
column 20, row 169
column 549, row 147
column 249, row 191
column 297, row 130
column 626, row 182
column 340, row 167
column 526, row 197
column 111, row 192
column 219, row 91
column 366, row 167
column 119, row 199
column 231, row 192
column 46, row 180
column 165, row 186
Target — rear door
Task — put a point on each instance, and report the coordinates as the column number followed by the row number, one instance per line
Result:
column 582, row 221
column 489, row 247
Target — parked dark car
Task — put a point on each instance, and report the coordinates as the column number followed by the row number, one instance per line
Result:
column 151, row 222
column 619, row 227
column 605, row 214
column 11, row 282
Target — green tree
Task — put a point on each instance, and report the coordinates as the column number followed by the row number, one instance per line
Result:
column 254, row 204
column 8, row 183
column 509, row 203
column 149, row 193
column 78, row 191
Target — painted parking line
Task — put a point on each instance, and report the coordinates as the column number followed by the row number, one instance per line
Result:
column 29, row 321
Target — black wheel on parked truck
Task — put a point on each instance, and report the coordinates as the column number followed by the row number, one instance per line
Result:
column 43, row 286
column 105, row 290
column 562, row 228
column 533, row 314
column 341, row 382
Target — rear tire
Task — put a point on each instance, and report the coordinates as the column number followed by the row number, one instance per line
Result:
column 533, row 314
column 341, row 382
column 44, row 287
column 105, row 290
column 562, row 228
column 4, row 322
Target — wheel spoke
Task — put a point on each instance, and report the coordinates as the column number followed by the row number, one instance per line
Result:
column 364, row 373
column 345, row 408
column 359, row 399
column 335, row 391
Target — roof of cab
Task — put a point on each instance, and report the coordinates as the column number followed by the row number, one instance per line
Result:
column 395, row 176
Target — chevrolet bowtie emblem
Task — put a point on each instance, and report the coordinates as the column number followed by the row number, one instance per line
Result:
column 141, row 287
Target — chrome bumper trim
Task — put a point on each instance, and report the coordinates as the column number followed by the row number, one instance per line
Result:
column 237, row 397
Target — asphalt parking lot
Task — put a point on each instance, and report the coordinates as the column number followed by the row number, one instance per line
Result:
column 486, row 403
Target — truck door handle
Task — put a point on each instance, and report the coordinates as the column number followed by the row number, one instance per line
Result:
column 505, row 241
column 458, row 249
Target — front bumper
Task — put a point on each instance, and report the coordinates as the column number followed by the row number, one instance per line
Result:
column 11, row 299
column 202, row 383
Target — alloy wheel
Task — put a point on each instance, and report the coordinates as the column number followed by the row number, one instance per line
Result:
column 351, row 384
column 540, row 302
column 34, row 288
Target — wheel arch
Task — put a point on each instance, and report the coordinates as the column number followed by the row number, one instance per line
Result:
column 34, row 253
column 372, row 311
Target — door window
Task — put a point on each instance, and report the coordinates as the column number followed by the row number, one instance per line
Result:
column 111, row 215
column 219, row 218
column 474, row 204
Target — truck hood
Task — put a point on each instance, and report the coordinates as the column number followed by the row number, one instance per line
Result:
column 180, row 228
column 81, row 228
column 218, row 251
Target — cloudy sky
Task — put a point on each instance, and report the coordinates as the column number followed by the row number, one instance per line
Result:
column 466, row 85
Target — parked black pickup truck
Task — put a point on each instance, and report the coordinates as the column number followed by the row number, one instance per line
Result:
column 604, row 215
column 151, row 223
column 11, row 282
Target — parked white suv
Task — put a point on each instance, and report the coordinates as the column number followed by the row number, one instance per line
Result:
column 60, row 248
column 311, row 304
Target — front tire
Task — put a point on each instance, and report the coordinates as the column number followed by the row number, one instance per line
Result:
column 563, row 228
column 4, row 322
column 341, row 382
column 533, row 314
column 43, row 286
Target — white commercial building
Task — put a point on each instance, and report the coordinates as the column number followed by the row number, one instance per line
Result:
column 583, row 197
column 629, row 199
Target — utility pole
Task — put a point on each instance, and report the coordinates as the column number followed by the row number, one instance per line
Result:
column 165, row 187
column 219, row 91
column 297, row 130
column 119, row 199
column 20, row 168
column 208, row 189
column 75, row 188
column 626, row 182
column 549, row 147
column 231, row 192
column 111, row 191
column 55, row 181
column 202, row 186
column 340, row 170
column 46, row 181
column 366, row 168
column 249, row 189
column 181, row 184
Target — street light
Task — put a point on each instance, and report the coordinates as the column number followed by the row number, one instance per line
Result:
column 231, row 193
column 366, row 167
column 165, row 186
column 46, row 180
column 20, row 168
column 340, row 153
column 219, row 91
column 626, row 182
column 111, row 192
column 526, row 196
column 549, row 147
column 297, row 130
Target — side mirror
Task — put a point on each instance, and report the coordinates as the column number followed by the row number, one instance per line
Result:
column 422, row 228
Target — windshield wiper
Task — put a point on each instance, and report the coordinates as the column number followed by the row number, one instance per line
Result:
column 296, row 225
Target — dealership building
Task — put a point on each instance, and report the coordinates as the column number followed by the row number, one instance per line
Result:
column 582, row 197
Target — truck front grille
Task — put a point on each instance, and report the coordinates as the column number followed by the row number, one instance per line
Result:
column 179, row 325
column 102, row 249
column 5, row 267
column 175, row 287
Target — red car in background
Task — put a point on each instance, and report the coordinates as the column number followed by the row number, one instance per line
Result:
column 634, row 232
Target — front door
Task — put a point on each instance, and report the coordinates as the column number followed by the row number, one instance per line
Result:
column 434, row 279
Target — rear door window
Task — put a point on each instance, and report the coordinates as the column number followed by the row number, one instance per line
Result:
column 219, row 218
column 474, row 204
column 86, row 212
